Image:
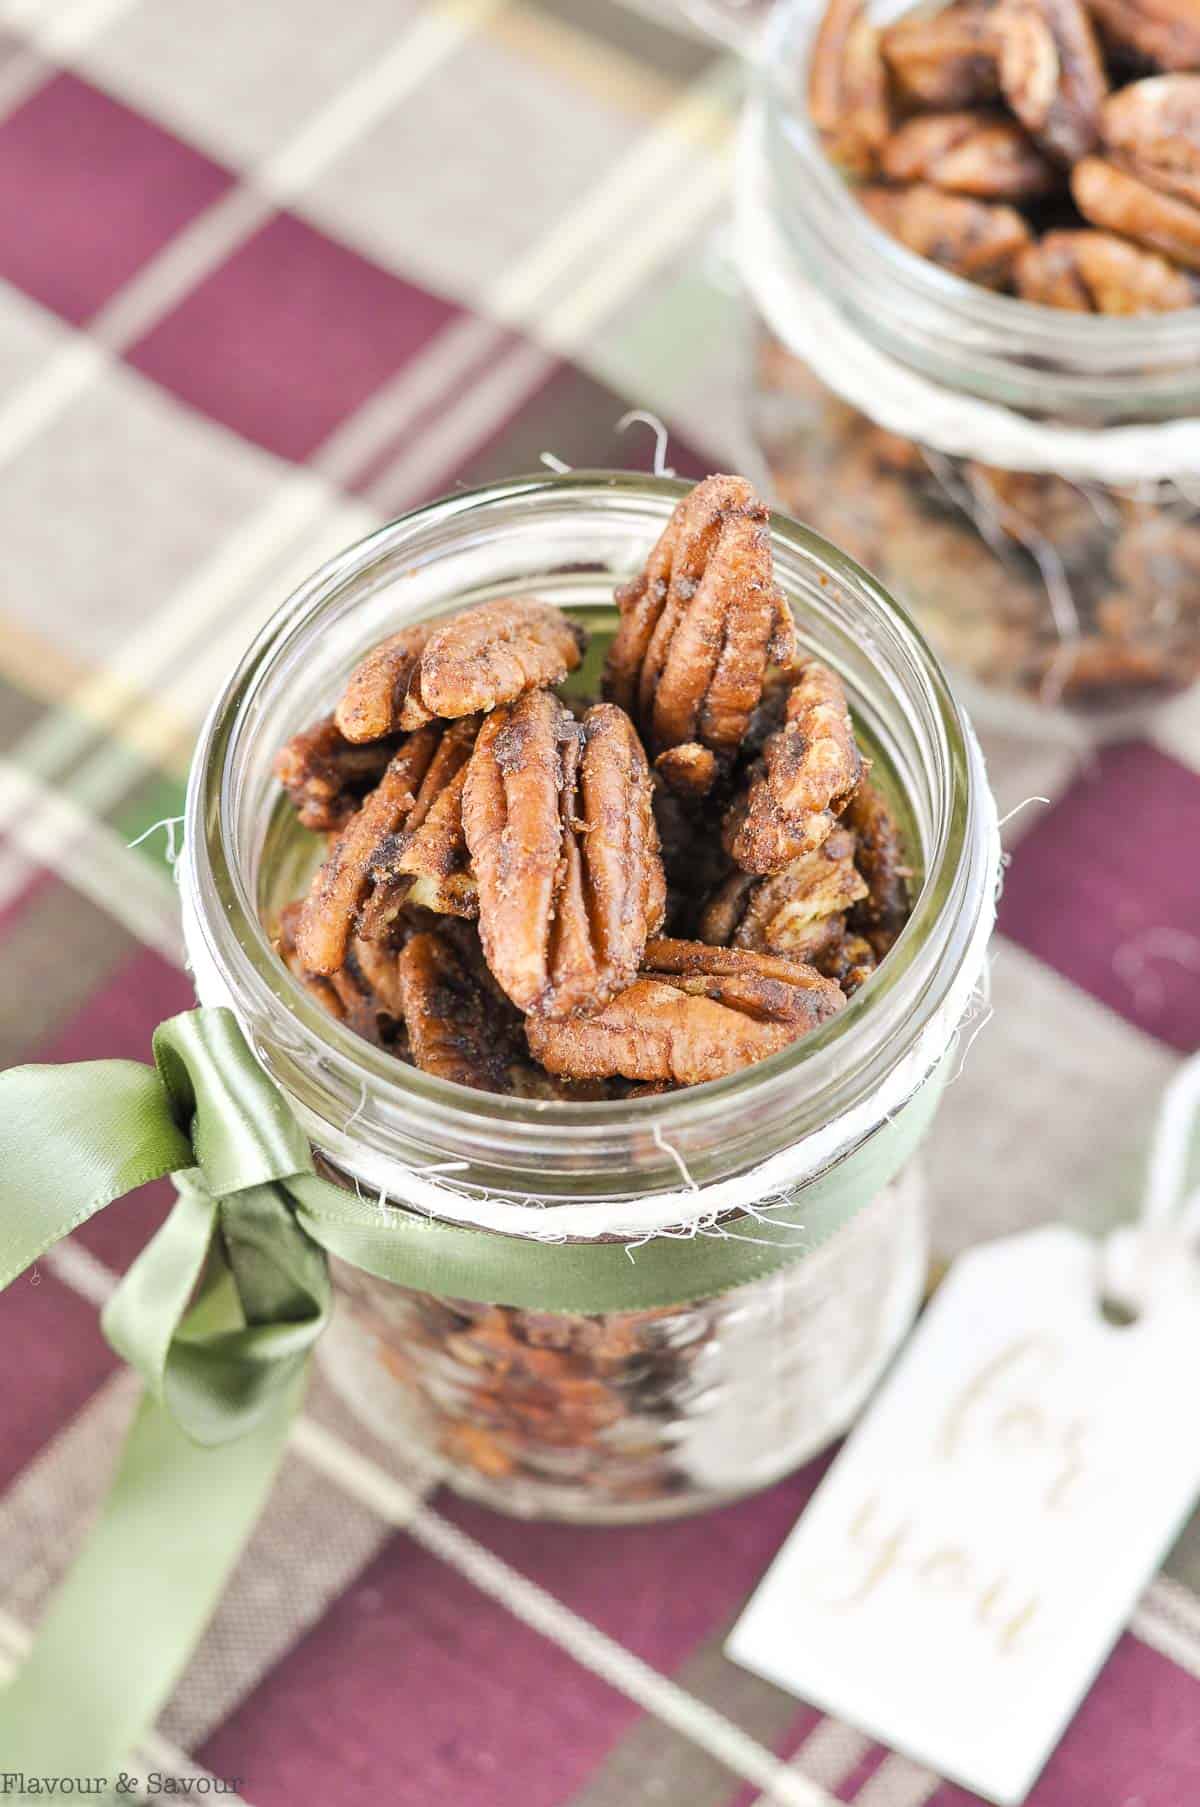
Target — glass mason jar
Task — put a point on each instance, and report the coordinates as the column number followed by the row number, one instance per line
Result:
column 618, row 1414
column 1025, row 480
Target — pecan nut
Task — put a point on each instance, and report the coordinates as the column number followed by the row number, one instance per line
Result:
column 884, row 908
column 456, row 1028
column 1094, row 272
column 426, row 864
column 694, row 1014
column 1165, row 32
column 1119, row 202
column 371, row 704
column 968, row 153
column 341, row 884
column 944, row 59
column 1154, row 128
column 489, row 655
column 809, row 771
column 700, row 625
column 977, row 240
column 1051, row 72
column 326, row 776
column 848, row 87
column 560, row 826
column 799, row 912
column 362, row 993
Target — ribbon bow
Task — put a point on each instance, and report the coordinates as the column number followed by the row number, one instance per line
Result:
column 220, row 1312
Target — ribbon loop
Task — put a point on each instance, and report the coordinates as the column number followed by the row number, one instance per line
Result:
column 240, row 1125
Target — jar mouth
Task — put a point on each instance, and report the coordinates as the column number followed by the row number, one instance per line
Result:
column 348, row 1092
column 1041, row 357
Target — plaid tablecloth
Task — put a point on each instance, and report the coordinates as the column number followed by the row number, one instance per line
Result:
column 271, row 273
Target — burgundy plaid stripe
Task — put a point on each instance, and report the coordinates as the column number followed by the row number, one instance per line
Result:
column 1105, row 887
column 289, row 337
column 1135, row 1740
column 453, row 1698
column 89, row 191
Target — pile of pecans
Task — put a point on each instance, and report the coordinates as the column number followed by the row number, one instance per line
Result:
column 605, row 898
column 1049, row 148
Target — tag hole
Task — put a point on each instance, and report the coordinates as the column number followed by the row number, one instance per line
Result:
column 1118, row 1313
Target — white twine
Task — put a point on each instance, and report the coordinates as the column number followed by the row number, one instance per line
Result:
column 1139, row 1258
column 899, row 399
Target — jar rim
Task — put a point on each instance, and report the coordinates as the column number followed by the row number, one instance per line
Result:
column 325, row 1068
column 1042, row 358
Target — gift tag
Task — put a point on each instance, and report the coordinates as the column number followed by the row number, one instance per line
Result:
column 968, row 1562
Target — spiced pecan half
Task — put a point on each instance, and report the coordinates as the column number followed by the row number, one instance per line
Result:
column 848, row 87
column 977, row 240
column 851, row 963
column 371, row 704
column 489, row 655
column 1163, row 32
column 884, row 908
column 1093, row 272
column 1110, row 197
column 327, row 777
column 700, row 625
column 809, row 770
column 943, row 59
column 1051, row 72
column 342, row 882
column 426, row 863
column 1154, row 128
column 362, row 993
column 799, row 912
column 560, row 826
column 968, row 153
column 456, row 1028
column 694, row 1013
column 689, row 770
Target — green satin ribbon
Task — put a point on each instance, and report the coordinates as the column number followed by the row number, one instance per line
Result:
column 219, row 1314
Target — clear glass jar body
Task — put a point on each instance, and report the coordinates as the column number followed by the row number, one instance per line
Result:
column 633, row 1413
column 1062, row 601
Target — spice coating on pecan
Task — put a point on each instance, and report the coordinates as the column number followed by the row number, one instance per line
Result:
column 560, row 826
column 810, row 768
column 1051, row 72
column 690, row 770
column 1097, row 273
column 945, row 59
column 1110, row 197
column 968, row 153
column 799, row 912
column 882, row 911
column 1153, row 126
column 489, row 655
column 848, row 88
column 456, row 1030
column 370, row 706
column 342, row 882
column 701, row 624
column 1166, row 32
column 326, row 776
column 695, row 1013
column 977, row 240
column 426, row 863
